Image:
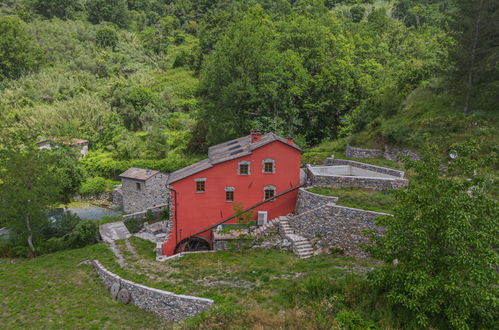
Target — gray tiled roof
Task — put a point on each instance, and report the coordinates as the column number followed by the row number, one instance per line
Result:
column 138, row 173
column 227, row 151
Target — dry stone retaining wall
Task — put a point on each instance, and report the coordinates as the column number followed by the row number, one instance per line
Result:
column 308, row 200
column 395, row 153
column 389, row 152
column 170, row 306
column 374, row 168
column 352, row 152
column 337, row 226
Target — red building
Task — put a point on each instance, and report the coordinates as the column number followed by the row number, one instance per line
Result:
column 259, row 171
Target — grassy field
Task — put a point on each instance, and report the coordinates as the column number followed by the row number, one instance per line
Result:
column 379, row 201
column 251, row 289
column 52, row 291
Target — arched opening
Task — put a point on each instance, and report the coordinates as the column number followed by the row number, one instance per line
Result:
column 193, row 244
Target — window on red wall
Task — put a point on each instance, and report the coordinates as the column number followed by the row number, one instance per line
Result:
column 268, row 166
column 243, row 169
column 229, row 196
column 269, row 192
column 200, row 186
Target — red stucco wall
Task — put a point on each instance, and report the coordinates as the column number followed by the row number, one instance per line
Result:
column 196, row 211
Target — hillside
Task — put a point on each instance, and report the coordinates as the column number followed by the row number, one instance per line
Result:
column 153, row 83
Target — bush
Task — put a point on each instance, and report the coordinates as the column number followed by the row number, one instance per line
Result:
column 107, row 37
column 96, row 185
column 357, row 13
column 61, row 225
column 85, row 233
column 134, row 225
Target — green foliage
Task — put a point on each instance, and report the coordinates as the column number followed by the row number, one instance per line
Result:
column 113, row 11
column 85, row 233
column 29, row 185
column 442, row 240
column 96, row 186
column 64, row 9
column 357, row 13
column 107, row 37
column 104, row 165
column 134, row 225
column 242, row 217
column 18, row 53
column 61, row 225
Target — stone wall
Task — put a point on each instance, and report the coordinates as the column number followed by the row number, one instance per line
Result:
column 340, row 181
column 156, row 211
column 104, row 197
column 170, row 306
column 390, row 152
column 117, row 196
column 308, row 200
column 374, row 168
column 395, row 153
column 338, row 227
column 352, row 152
column 152, row 192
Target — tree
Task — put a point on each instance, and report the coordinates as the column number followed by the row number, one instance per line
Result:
column 247, row 83
column 357, row 13
column 107, row 37
column 442, row 241
column 18, row 52
column 114, row 11
column 64, row 9
column 29, row 184
column 477, row 27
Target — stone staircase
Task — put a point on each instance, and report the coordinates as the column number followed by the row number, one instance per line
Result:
column 301, row 246
column 259, row 231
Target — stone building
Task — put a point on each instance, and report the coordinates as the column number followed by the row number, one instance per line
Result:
column 142, row 189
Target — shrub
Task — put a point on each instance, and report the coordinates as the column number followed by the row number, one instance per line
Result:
column 357, row 13
column 60, row 225
column 135, row 224
column 107, row 37
column 96, row 185
column 86, row 232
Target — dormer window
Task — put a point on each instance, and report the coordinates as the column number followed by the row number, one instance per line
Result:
column 268, row 166
column 200, row 185
column 269, row 192
column 243, row 168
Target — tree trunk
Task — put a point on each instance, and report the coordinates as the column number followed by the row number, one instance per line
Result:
column 30, row 235
column 469, row 83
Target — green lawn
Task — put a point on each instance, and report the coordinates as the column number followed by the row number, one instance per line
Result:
column 372, row 200
column 51, row 291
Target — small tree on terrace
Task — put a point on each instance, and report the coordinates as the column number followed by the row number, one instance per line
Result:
column 442, row 241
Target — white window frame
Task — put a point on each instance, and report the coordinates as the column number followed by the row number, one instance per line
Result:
column 243, row 162
column 269, row 187
column 230, row 189
column 268, row 160
column 200, row 180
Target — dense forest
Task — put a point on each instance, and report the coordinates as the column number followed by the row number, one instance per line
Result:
column 153, row 83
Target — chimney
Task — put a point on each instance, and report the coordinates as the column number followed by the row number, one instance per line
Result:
column 290, row 140
column 255, row 136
